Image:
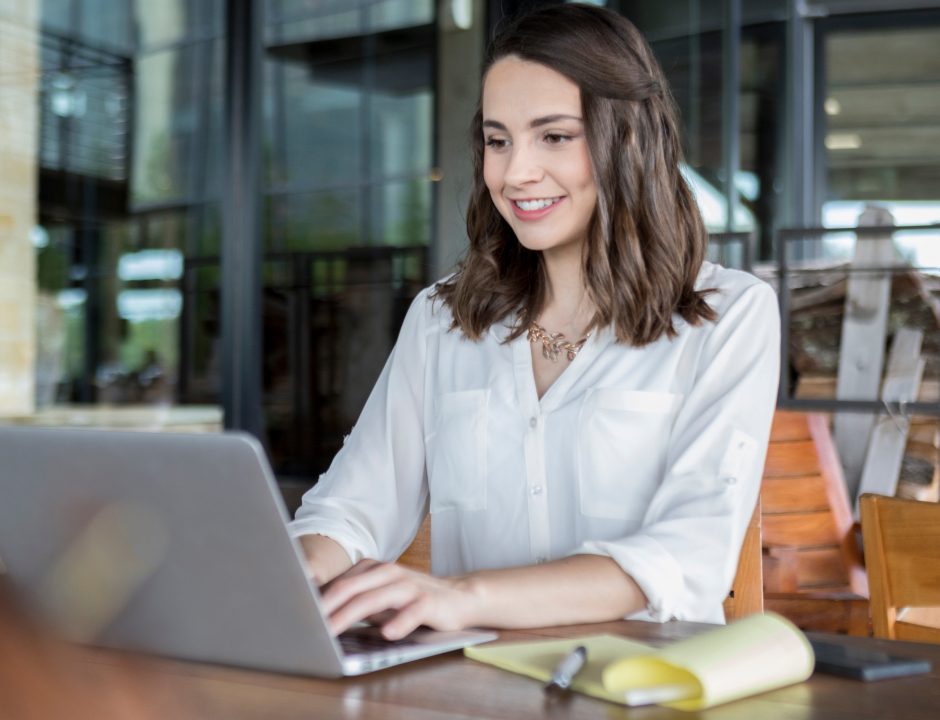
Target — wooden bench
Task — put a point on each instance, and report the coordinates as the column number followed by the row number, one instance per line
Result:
column 813, row 571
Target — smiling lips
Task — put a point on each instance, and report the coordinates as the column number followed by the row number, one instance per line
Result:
column 534, row 209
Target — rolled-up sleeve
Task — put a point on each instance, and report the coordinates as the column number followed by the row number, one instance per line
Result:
column 374, row 496
column 685, row 555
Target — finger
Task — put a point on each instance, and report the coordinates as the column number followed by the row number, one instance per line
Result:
column 358, row 569
column 380, row 618
column 405, row 621
column 393, row 596
column 343, row 589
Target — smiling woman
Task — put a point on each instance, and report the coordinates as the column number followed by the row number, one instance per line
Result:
column 584, row 406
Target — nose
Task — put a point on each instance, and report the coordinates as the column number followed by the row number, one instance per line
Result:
column 523, row 168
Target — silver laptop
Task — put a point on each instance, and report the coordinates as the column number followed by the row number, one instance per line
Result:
column 176, row 545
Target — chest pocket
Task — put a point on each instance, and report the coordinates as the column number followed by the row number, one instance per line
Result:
column 623, row 436
column 456, row 452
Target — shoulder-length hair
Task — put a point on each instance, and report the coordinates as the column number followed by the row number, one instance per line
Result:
column 646, row 240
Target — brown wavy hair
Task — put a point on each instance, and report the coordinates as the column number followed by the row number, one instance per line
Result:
column 646, row 240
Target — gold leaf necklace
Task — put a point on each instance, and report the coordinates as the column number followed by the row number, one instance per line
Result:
column 553, row 345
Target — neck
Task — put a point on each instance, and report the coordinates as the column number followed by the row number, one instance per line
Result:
column 567, row 306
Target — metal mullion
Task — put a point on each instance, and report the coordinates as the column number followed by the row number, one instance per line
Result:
column 860, row 406
column 788, row 234
column 365, row 130
column 278, row 207
column 368, row 182
column 241, row 285
column 783, row 297
column 731, row 104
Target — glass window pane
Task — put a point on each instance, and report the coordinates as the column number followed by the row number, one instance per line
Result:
column 323, row 220
column 401, row 128
column 178, row 123
column 401, row 213
column 882, row 138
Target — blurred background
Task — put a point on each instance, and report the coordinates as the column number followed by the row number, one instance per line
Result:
column 215, row 213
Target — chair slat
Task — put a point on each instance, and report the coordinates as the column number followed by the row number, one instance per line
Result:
column 793, row 494
column 800, row 530
column 795, row 458
column 821, row 568
column 789, row 426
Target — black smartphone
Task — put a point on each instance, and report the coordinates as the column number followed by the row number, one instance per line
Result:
column 864, row 664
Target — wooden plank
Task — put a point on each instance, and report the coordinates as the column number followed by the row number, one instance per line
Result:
column 793, row 494
column 748, row 581
column 800, row 530
column 911, row 542
column 820, row 612
column 916, row 633
column 889, row 438
column 863, row 338
column 791, row 459
column 779, row 569
column 838, row 494
column 789, row 425
column 883, row 615
column 821, row 567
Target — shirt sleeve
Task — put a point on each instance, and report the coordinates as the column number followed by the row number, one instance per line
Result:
column 685, row 555
column 375, row 495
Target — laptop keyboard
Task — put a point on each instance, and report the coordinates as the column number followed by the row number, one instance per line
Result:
column 359, row 641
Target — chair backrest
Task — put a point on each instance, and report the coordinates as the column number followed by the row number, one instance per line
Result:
column 806, row 509
column 902, row 552
column 747, row 593
column 746, row 596
column 418, row 555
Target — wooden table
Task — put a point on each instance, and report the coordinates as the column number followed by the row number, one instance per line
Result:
column 451, row 687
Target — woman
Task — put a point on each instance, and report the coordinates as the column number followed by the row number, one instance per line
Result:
column 584, row 406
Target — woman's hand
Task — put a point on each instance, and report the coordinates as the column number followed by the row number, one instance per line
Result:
column 567, row 591
column 397, row 599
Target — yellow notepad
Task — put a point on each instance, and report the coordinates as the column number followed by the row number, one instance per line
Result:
column 751, row 656
column 539, row 659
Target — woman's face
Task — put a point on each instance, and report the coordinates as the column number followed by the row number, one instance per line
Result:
column 535, row 162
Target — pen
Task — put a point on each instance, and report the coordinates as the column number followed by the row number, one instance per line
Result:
column 567, row 669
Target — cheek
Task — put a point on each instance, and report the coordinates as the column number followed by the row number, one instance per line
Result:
column 582, row 171
column 492, row 174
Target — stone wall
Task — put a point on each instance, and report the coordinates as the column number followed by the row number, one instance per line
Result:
column 19, row 90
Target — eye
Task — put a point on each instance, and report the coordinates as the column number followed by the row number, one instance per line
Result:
column 496, row 143
column 556, row 138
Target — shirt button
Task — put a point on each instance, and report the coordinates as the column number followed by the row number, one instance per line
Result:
column 540, row 559
column 533, row 421
column 732, row 481
column 537, row 489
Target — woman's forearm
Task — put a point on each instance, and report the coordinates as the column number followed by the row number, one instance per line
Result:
column 326, row 558
column 572, row 590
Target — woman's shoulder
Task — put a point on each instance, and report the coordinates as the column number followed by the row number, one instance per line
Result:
column 428, row 303
column 733, row 288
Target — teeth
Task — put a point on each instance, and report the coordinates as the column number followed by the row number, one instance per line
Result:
column 535, row 204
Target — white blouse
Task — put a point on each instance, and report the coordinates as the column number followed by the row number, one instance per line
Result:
column 650, row 456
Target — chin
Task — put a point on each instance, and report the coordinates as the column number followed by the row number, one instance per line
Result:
column 537, row 241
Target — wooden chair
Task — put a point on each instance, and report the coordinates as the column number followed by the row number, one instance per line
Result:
column 418, row 555
column 747, row 593
column 813, row 572
column 746, row 596
column 902, row 548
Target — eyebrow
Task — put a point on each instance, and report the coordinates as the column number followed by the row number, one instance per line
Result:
column 538, row 122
